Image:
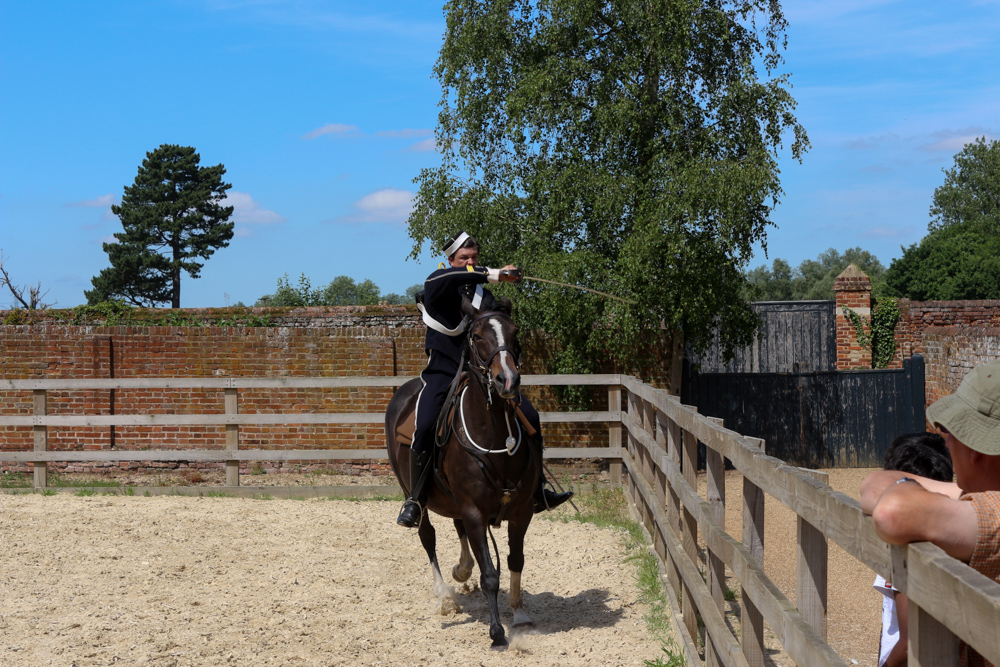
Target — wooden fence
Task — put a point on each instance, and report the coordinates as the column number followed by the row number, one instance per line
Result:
column 229, row 416
column 947, row 598
column 656, row 439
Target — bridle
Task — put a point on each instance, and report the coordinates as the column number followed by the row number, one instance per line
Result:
column 482, row 366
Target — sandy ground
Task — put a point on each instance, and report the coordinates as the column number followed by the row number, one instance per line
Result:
column 170, row 580
column 173, row 580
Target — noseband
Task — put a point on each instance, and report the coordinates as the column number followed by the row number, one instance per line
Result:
column 476, row 360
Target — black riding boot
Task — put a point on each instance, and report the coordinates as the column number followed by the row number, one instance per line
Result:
column 410, row 515
column 546, row 499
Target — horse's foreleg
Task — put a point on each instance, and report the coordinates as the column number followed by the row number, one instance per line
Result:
column 443, row 592
column 515, row 563
column 489, row 578
column 463, row 570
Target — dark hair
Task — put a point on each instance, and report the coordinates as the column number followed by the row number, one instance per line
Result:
column 922, row 454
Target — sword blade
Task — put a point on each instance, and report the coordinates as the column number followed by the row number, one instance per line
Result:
column 585, row 289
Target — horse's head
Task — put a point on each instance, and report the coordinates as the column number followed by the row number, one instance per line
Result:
column 494, row 350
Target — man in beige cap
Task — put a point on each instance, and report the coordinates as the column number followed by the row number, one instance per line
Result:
column 963, row 518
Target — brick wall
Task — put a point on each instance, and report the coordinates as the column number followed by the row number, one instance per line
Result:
column 950, row 352
column 853, row 290
column 317, row 342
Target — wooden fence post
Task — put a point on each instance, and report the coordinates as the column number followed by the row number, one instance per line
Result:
column 615, row 433
column 811, row 568
column 232, row 438
column 689, row 463
column 751, row 620
column 715, row 495
column 673, row 435
column 41, row 437
column 930, row 643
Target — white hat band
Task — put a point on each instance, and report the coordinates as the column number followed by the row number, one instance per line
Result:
column 456, row 244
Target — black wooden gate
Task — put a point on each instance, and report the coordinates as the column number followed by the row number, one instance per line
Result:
column 816, row 419
column 794, row 336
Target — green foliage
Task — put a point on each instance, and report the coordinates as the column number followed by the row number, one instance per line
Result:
column 960, row 256
column 119, row 313
column 172, row 216
column 880, row 339
column 812, row 279
column 951, row 263
column 970, row 194
column 628, row 147
column 16, row 317
column 342, row 291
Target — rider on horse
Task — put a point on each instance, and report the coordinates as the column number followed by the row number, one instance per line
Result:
column 444, row 343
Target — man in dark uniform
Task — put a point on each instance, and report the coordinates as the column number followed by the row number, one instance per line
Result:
column 442, row 313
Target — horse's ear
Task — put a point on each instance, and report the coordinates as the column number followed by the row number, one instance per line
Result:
column 468, row 309
column 504, row 305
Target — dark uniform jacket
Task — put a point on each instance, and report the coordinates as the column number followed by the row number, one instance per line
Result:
column 442, row 307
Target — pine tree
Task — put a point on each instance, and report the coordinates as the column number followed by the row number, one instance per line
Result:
column 172, row 216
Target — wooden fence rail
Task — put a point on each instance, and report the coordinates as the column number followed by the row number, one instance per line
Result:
column 655, row 438
column 230, row 417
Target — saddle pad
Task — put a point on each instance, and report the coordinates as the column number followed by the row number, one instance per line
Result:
column 405, row 429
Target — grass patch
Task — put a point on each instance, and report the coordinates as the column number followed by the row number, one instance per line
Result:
column 262, row 496
column 58, row 481
column 606, row 507
column 219, row 494
column 16, row 480
column 48, row 492
column 395, row 497
column 85, row 492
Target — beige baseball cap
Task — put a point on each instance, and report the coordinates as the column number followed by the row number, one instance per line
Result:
column 972, row 414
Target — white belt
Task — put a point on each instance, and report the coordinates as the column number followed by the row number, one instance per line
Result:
column 437, row 326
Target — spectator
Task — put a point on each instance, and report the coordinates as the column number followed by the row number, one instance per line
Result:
column 962, row 518
column 921, row 454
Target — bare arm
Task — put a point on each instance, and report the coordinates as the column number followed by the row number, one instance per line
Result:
column 908, row 512
column 875, row 484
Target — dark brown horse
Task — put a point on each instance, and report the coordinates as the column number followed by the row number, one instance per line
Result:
column 488, row 468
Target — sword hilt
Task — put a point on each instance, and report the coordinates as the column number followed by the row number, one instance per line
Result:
column 518, row 274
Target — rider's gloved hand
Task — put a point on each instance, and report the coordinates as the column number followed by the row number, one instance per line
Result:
column 511, row 274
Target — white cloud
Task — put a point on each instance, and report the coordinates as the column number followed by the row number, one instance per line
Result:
column 429, row 144
column 104, row 201
column 332, row 128
column 953, row 144
column 248, row 212
column 385, row 205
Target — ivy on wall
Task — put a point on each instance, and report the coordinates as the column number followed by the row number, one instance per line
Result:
column 880, row 339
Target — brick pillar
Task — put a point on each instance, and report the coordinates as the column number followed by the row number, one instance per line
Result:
column 852, row 289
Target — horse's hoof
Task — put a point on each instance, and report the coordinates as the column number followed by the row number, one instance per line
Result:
column 499, row 646
column 460, row 574
column 523, row 627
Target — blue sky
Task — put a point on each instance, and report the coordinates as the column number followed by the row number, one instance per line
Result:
column 323, row 113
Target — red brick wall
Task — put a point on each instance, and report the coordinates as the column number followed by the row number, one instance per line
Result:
column 951, row 352
column 317, row 343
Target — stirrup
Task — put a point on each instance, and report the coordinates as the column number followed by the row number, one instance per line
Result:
column 411, row 514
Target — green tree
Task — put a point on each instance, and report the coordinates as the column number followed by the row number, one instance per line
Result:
column 342, row 291
column 396, row 299
column 960, row 256
column 951, row 263
column 812, row 279
column 624, row 146
column 172, row 216
column 970, row 194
